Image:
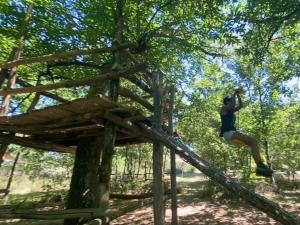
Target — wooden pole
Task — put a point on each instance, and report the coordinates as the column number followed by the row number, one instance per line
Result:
column 76, row 83
column 62, row 55
column 127, row 93
column 141, row 84
column 16, row 54
column 110, row 129
column 28, row 142
column 173, row 160
column 47, row 94
column 5, row 196
column 12, row 73
column 88, row 213
column 158, row 187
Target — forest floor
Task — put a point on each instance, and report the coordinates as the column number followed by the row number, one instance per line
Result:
column 201, row 202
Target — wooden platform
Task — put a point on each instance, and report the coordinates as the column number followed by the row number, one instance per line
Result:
column 64, row 124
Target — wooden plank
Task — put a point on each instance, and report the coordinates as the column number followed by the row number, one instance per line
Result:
column 60, row 111
column 93, row 127
column 75, row 83
column 135, row 118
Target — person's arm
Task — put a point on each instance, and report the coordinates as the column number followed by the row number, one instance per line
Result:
column 237, row 93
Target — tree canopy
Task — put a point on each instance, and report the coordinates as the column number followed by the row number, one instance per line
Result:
column 206, row 48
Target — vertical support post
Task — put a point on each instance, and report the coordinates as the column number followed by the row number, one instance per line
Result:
column 110, row 130
column 5, row 196
column 12, row 73
column 158, row 187
column 172, row 159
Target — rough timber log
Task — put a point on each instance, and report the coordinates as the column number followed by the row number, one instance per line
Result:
column 259, row 202
column 89, row 213
column 140, row 196
column 23, row 141
column 47, row 94
column 141, row 84
column 62, row 55
column 127, row 93
column 68, row 84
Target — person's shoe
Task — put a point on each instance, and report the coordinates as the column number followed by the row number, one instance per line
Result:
column 263, row 170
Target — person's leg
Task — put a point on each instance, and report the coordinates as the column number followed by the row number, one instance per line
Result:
column 251, row 142
column 262, row 169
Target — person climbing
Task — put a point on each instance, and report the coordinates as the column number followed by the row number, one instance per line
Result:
column 229, row 132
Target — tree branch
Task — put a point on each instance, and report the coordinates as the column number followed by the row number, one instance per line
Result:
column 189, row 45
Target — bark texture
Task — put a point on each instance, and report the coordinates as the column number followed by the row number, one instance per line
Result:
column 158, row 186
column 84, row 190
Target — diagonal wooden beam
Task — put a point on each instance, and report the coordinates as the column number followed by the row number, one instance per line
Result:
column 127, row 93
column 47, row 94
column 29, row 142
column 68, row 84
column 62, row 55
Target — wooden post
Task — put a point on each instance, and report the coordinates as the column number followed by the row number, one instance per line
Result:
column 110, row 130
column 173, row 160
column 16, row 54
column 12, row 73
column 158, row 187
column 5, row 196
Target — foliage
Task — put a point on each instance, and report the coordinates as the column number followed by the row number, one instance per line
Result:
column 206, row 48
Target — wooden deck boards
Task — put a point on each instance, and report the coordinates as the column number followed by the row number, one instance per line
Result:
column 66, row 122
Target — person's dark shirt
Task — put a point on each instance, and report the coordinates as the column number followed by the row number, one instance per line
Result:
column 228, row 122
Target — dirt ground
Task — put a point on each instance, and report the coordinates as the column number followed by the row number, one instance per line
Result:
column 195, row 208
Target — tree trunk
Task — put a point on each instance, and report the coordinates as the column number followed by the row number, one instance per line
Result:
column 84, row 190
column 105, row 168
column 110, row 128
